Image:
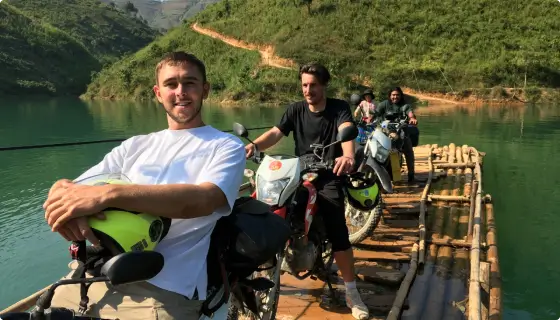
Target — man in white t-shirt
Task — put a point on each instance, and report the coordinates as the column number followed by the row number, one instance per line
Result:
column 189, row 172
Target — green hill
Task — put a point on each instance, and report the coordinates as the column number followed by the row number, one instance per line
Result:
column 38, row 58
column 107, row 32
column 425, row 45
column 234, row 74
column 460, row 47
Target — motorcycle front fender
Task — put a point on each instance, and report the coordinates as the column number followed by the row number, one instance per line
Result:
column 381, row 174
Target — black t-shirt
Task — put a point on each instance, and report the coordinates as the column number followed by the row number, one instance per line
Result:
column 315, row 127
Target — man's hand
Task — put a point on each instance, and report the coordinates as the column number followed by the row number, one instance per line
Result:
column 71, row 201
column 413, row 121
column 78, row 230
column 343, row 165
column 249, row 150
column 62, row 183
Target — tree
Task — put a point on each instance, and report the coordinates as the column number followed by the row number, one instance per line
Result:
column 129, row 7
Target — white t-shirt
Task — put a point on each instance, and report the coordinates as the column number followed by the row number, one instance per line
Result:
column 191, row 156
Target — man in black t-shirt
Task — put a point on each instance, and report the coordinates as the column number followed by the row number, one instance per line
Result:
column 317, row 119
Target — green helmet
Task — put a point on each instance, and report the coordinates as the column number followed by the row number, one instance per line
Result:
column 362, row 193
column 125, row 231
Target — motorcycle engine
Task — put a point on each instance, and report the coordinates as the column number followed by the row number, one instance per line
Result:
column 300, row 256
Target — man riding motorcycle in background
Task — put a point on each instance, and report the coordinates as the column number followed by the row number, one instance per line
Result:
column 395, row 104
column 317, row 119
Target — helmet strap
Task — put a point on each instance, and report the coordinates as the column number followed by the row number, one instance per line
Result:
column 78, row 251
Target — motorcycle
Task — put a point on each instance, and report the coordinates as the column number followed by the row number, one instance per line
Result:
column 286, row 183
column 370, row 159
column 227, row 268
column 394, row 128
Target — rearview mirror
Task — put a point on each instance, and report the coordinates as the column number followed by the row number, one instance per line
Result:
column 347, row 133
column 133, row 266
column 240, row 130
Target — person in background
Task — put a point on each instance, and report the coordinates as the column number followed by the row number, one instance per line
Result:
column 366, row 107
column 396, row 104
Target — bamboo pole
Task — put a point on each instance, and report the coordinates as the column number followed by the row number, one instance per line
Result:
column 438, row 197
column 422, row 217
column 474, row 286
column 450, row 243
column 459, row 155
column 485, row 285
column 495, row 308
column 445, row 154
column 26, row 303
column 461, row 165
column 394, row 314
column 472, row 209
column 400, row 195
column 467, row 190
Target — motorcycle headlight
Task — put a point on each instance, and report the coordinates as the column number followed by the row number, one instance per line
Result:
column 382, row 154
column 269, row 191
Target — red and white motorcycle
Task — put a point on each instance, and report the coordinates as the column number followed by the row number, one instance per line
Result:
column 285, row 183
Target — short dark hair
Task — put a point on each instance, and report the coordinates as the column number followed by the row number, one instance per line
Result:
column 316, row 69
column 180, row 58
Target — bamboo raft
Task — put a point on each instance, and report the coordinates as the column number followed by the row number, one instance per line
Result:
column 433, row 255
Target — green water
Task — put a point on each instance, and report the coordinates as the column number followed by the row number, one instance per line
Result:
column 520, row 171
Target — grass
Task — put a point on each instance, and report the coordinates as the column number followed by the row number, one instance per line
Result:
column 429, row 46
column 235, row 75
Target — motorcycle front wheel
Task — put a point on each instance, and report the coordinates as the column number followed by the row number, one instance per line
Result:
column 361, row 224
column 267, row 301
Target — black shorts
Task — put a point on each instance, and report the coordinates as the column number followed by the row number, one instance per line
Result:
column 330, row 205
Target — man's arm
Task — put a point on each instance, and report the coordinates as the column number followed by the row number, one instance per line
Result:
column 268, row 139
column 177, row 201
column 272, row 136
column 216, row 192
column 346, row 162
column 348, row 146
column 410, row 114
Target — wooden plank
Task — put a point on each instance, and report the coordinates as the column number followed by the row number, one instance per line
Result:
column 380, row 256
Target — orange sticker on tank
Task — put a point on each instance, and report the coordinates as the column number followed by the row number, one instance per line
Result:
column 275, row 165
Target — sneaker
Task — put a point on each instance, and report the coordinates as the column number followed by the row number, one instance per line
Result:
column 354, row 302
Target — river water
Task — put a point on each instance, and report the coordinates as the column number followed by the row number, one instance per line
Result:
column 521, row 166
